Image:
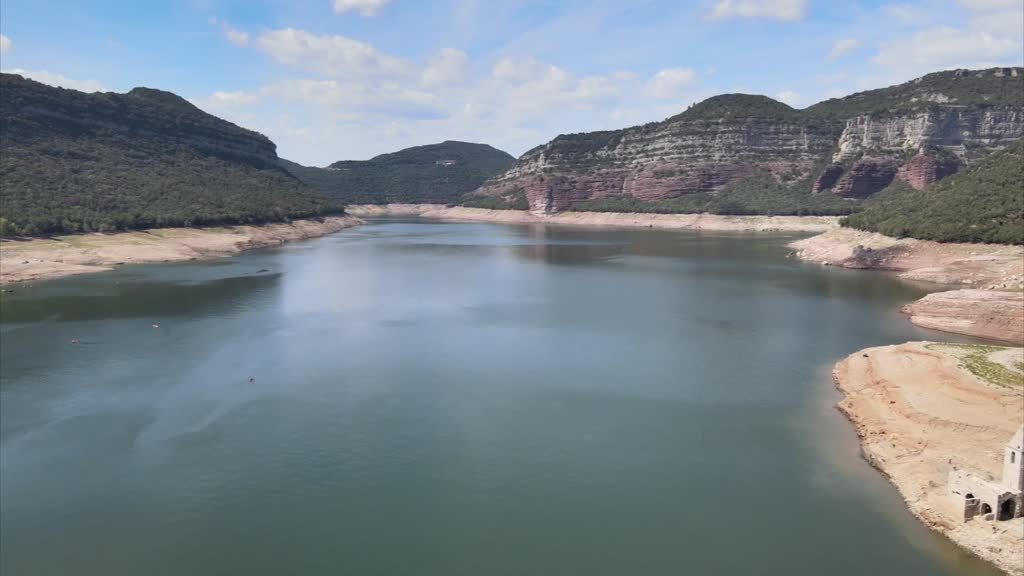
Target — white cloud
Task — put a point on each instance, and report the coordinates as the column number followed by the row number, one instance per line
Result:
column 59, row 80
column 903, row 12
column 943, row 48
column 527, row 87
column 355, row 100
column 236, row 36
column 335, row 56
column 995, row 17
column 789, row 97
column 6, row 44
column 365, row 7
column 446, row 68
column 981, row 5
column 669, row 83
column 785, row 10
column 842, row 46
column 220, row 100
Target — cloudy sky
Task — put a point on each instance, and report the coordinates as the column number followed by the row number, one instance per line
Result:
column 349, row 79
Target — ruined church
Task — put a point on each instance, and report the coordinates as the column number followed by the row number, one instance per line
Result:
column 992, row 499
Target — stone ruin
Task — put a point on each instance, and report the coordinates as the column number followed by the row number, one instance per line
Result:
column 992, row 499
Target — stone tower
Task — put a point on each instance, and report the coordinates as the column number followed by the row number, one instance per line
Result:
column 1013, row 462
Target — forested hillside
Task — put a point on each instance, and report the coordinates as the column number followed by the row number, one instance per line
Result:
column 76, row 162
column 435, row 173
column 985, row 203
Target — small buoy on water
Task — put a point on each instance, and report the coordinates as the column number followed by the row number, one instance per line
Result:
column 156, row 325
column 251, row 380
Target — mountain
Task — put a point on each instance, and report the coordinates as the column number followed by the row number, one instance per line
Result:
column 745, row 154
column 984, row 203
column 436, row 173
column 96, row 162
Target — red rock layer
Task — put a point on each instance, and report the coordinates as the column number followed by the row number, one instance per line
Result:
column 923, row 170
column 865, row 177
column 828, row 178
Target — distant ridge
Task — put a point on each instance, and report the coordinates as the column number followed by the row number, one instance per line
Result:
column 435, row 173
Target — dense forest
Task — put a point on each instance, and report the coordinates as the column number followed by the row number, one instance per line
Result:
column 435, row 173
column 984, row 203
column 76, row 162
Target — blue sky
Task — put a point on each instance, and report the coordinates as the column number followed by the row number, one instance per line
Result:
column 349, row 79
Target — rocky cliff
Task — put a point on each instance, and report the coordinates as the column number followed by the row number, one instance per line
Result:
column 852, row 147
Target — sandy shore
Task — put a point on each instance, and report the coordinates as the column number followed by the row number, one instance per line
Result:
column 45, row 258
column 919, row 411
column 987, row 266
column 993, row 314
column 606, row 219
column 998, row 315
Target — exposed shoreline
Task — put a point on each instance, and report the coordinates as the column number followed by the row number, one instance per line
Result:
column 606, row 219
column 47, row 258
column 988, row 304
column 918, row 411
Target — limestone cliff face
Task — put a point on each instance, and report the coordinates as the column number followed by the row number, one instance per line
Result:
column 968, row 132
column 31, row 110
column 719, row 141
column 853, row 147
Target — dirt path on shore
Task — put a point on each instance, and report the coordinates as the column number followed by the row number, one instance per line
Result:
column 45, row 258
column 606, row 219
column 919, row 410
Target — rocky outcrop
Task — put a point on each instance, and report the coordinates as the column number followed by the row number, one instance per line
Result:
column 829, row 176
column 920, row 132
column 968, row 132
column 721, row 140
column 988, row 266
column 866, row 177
column 925, row 169
column 992, row 314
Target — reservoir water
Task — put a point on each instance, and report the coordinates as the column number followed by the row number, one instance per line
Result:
column 453, row 399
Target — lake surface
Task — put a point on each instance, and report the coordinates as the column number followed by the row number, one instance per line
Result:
column 443, row 399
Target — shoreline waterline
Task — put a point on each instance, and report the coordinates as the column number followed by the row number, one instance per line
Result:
column 39, row 259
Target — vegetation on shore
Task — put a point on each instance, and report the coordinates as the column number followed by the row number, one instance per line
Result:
column 515, row 200
column 76, row 162
column 975, row 359
column 984, row 203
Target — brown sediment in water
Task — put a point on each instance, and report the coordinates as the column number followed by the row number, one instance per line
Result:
column 919, row 410
column 45, row 258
